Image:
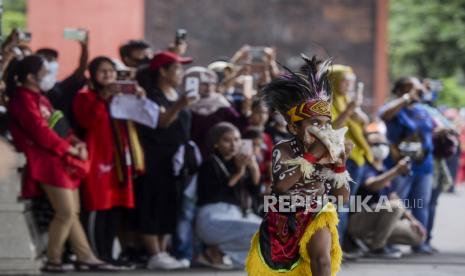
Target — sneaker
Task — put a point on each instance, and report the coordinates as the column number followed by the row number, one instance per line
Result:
column 185, row 262
column 423, row 249
column 352, row 255
column 164, row 261
column 385, row 253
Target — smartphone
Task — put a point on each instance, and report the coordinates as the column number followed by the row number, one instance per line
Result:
column 246, row 147
column 181, row 35
column 359, row 93
column 25, row 36
column 75, row 34
column 248, row 90
column 125, row 74
column 192, row 86
column 126, row 87
column 256, row 54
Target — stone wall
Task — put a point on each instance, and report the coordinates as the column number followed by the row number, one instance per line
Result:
column 343, row 29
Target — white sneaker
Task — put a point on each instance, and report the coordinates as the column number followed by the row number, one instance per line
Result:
column 185, row 262
column 164, row 261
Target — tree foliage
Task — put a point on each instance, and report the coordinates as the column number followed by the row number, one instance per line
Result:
column 427, row 39
column 14, row 15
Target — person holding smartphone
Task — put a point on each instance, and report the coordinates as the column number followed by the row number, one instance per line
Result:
column 114, row 153
column 211, row 108
column 61, row 93
column 158, row 195
column 225, row 222
column 346, row 109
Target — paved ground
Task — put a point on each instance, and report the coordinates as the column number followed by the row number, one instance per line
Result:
column 449, row 238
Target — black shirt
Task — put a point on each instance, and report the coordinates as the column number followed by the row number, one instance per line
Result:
column 62, row 95
column 213, row 180
column 172, row 136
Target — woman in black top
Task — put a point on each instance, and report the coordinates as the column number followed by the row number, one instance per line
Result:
column 224, row 221
column 158, row 193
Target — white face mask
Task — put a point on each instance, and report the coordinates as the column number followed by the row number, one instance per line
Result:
column 53, row 67
column 380, row 152
column 47, row 82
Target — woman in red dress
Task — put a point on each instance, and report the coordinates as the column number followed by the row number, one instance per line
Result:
column 47, row 169
column 108, row 188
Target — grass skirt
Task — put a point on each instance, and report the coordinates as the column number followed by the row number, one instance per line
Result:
column 256, row 266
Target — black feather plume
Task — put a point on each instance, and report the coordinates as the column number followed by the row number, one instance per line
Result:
column 293, row 88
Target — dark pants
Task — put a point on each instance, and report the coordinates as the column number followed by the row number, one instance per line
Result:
column 101, row 229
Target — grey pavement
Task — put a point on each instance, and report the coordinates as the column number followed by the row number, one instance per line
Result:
column 449, row 239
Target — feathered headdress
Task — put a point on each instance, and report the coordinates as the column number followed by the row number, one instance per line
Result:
column 302, row 95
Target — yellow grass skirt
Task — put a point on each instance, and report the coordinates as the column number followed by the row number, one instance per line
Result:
column 255, row 266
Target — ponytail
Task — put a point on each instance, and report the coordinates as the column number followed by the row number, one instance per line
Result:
column 18, row 70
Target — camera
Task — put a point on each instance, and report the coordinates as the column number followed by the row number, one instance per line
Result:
column 414, row 150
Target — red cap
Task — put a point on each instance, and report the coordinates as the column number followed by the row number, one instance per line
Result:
column 163, row 58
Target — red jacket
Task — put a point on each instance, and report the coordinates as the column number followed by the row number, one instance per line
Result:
column 101, row 189
column 29, row 113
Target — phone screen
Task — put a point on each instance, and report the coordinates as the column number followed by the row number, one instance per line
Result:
column 126, row 87
column 75, row 34
column 246, row 147
column 256, row 54
column 192, row 86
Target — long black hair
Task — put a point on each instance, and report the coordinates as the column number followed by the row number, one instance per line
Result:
column 18, row 70
column 93, row 67
column 148, row 78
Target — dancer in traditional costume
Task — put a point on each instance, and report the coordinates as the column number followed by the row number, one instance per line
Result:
column 303, row 240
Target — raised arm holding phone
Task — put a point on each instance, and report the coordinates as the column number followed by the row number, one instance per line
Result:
column 157, row 194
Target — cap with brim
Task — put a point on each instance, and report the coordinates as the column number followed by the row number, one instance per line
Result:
column 163, row 58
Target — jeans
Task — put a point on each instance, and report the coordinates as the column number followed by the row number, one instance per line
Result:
column 417, row 189
column 183, row 240
column 356, row 172
column 432, row 212
column 223, row 224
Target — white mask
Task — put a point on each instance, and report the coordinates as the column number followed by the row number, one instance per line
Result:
column 380, row 152
column 53, row 67
column 47, row 82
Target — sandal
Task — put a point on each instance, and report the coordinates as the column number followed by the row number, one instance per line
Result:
column 83, row 266
column 226, row 263
column 57, row 268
